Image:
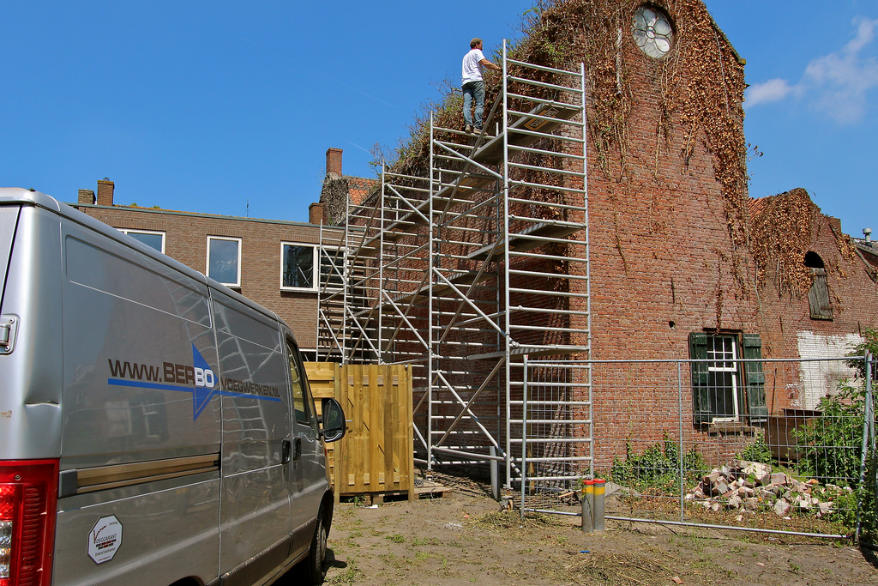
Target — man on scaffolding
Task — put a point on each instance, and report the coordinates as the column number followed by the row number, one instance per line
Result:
column 473, row 85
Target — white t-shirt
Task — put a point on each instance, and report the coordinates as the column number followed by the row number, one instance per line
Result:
column 472, row 70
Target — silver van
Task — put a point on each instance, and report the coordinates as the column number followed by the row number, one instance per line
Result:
column 155, row 426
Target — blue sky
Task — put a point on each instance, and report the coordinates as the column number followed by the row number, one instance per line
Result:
column 229, row 108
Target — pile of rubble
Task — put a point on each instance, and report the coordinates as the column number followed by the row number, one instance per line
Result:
column 751, row 486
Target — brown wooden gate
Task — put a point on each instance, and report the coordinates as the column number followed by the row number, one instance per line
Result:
column 376, row 455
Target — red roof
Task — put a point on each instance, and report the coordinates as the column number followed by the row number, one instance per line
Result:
column 360, row 188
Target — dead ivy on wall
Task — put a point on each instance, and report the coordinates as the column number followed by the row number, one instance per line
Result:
column 782, row 233
column 701, row 85
column 701, row 80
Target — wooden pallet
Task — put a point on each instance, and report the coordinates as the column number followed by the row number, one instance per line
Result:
column 430, row 489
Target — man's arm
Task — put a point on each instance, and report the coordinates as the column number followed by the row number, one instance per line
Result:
column 489, row 65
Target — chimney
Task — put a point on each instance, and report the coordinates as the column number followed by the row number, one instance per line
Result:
column 315, row 213
column 86, row 196
column 835, row 223
column 105, row 192
column 333, row 161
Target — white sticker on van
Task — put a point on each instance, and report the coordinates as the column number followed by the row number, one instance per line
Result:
column 104, row 539
column 198, row 379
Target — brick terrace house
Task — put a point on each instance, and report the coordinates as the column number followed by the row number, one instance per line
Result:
column 683, row 263
column 273, row 262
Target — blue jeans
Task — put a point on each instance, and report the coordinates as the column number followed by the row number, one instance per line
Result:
column 473, row 89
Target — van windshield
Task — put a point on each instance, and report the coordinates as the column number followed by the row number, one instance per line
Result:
column 8, row 218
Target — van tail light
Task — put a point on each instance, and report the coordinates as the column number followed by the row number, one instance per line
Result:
column 28, row 497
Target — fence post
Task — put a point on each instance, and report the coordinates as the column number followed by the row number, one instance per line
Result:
column 868, row 444
column 870, row 398
column 680, row 453
column 523, row 434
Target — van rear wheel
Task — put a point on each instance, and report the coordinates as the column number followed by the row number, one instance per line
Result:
column 317, row 554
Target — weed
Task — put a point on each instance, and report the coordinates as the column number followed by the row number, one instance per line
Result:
column 395, row 538
column 657, row 467
column 350, row 575
column 757, row 451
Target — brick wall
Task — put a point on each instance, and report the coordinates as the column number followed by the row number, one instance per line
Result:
column 787, row 327
column 663, row 263
column 186, row 241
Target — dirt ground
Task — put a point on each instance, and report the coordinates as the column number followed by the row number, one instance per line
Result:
column 464, row 538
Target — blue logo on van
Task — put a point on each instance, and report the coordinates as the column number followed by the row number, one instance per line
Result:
column 202, row 393
column 198, row 379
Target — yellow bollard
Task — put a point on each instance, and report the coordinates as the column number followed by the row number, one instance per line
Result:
column 587, row 506
column 600, row 487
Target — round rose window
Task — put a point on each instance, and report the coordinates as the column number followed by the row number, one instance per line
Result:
column 653, row 32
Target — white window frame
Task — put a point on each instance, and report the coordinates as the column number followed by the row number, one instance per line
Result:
column 726, row 363
column 129, row 231
column 315, row 277
column 207, row 260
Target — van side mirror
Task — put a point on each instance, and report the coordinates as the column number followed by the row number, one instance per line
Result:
column 334, row 424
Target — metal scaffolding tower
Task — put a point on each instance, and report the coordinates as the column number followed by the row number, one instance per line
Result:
column 477, row 274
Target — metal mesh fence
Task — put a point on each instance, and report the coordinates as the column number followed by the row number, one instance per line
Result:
column 768, row 445
column 550, row 435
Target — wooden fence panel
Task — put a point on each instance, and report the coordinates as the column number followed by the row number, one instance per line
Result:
column 375, row 457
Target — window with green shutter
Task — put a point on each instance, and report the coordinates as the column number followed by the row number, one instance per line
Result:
column 701, row 405
column 755, row 379
column 725, row 388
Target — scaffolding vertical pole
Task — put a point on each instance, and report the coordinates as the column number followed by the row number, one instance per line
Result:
column 380, row 257
column 345, row 283
column 431, row 350
column 589, row 375
column 320, row 255
column 505, row 308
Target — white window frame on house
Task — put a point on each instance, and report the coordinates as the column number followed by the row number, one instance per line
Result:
column 723, row 350
column 314, row 264
column 239, row 241
column 130, row 231
column 727, row 365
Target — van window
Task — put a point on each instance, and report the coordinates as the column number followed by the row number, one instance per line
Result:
column 301, row 402
column 8, row 217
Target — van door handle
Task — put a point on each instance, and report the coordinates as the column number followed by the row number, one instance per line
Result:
column 298, row 451
column 285, row 451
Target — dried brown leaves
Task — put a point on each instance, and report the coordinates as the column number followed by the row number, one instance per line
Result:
column 781, row 234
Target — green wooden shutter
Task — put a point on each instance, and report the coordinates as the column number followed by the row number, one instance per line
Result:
column 755, row 379
column 702, row 411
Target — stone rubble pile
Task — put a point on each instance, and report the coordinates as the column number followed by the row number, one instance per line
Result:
column 751, row 486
